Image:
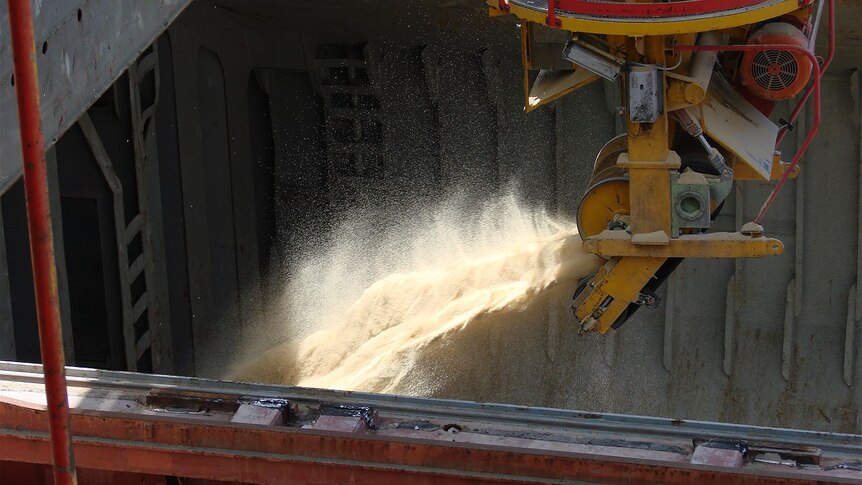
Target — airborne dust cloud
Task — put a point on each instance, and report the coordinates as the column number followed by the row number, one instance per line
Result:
column 434, row 307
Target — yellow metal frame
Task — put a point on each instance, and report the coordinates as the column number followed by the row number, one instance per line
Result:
column 743, row 171
column 649, row 161
column 600, row 204
column 620, row 279
column 639, row 184
column 714, row 245
column 682, row 91
column 657, row 27
column 527, row 66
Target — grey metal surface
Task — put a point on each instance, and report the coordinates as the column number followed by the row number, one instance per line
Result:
column 82, row 47
column 595, row 63
column 212, row 67
column 643, row 94
column 7, row 327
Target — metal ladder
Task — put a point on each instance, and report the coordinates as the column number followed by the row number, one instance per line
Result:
column 141, row 306
column 353, row 121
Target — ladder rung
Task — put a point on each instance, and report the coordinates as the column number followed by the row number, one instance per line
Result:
column 148, row 63
column 136, row 267
column 140, row 306
column 147, row 113
column 142, row 344
column 134, row 227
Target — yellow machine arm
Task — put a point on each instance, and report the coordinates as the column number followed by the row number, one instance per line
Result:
column 698, row 79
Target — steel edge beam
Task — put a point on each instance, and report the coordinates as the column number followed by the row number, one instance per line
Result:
column 79, row 61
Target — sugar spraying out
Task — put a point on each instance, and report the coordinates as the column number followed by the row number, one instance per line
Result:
column 428, row 307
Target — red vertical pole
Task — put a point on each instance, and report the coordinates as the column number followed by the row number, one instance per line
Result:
column 41, row 239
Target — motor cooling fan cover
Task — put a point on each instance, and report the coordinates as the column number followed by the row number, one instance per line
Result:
column 776, row 75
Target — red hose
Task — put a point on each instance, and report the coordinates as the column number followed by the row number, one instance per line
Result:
column 41, row 239
column 815, row 125
column 829, row 55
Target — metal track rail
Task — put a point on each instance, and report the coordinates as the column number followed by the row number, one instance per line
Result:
column 642, row 426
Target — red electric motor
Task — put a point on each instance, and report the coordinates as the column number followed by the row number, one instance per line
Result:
column 775, row 75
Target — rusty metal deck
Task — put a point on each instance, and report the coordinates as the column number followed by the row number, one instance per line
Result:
column 149, row 427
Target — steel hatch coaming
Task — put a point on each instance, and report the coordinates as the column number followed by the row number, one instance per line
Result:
column 15, row 376
column 118, row 428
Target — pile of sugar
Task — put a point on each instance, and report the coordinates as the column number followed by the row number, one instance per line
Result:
column 454, row 301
